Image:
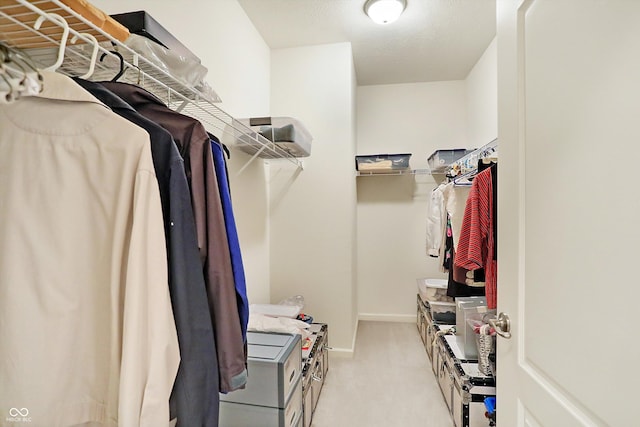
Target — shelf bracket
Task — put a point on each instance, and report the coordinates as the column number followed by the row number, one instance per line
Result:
column 255, row 156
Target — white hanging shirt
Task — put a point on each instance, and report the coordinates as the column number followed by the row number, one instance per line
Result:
column 436, row 222
column 86, row 327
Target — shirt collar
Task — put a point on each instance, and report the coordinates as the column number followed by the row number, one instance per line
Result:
column 134, row 95
column 103, row 94
column 60, row 87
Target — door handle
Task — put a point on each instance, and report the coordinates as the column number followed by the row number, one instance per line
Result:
column 502, row 325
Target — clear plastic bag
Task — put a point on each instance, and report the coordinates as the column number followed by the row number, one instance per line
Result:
column 296, row 300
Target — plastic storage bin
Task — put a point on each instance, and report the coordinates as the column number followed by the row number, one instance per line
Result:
column 433, row 289
column 443, row 312
column 440, row 160
column 381, row 163
column 286, row 133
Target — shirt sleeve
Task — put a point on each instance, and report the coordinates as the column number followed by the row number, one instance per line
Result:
column 435, row 225
column 150, row 354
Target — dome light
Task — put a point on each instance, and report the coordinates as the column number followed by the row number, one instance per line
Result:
column 384, row 11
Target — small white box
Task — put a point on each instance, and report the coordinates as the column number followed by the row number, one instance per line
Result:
column 275, row 310
column 433, row 290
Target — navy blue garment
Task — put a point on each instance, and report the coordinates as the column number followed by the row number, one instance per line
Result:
column 232, row 234
column 194, row 398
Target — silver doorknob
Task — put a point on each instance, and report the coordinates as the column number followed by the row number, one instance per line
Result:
column 502, row 325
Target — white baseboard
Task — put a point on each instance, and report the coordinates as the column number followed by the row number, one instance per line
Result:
column 341, row 353
column 400, row 318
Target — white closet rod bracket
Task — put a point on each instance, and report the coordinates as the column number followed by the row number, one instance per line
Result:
column 255, row 156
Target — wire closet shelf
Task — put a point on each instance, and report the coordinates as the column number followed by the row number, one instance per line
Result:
column 18, row 29
column 469, row 163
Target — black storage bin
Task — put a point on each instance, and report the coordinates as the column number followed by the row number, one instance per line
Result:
column 143, row 24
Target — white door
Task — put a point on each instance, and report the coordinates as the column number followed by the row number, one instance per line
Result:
column 569, row 212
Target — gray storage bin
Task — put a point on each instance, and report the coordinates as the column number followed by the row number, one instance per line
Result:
column 275, row 364
column 440, row 160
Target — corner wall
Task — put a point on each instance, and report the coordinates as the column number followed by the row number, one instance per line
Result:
column 482, row 98
column 313, row 210
column 416, row 118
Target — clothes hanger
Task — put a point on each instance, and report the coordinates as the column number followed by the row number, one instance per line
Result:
column 467, row 176
column 8, row 97
column 122, row 68
column 58, row 20
column 20, row 75
column 94, row 53
column 217, row 141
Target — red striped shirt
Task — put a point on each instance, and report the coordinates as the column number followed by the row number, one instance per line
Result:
column 476, row 244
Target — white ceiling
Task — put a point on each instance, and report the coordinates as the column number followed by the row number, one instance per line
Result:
column 433, row 40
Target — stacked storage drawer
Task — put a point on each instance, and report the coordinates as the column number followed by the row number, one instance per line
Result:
column 273, row 395
column 463, row 387
column 421, row 320
column 470, row 388
column 316, row 365
column 427, row 326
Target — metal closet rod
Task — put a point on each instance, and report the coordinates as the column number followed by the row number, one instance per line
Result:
column 199, row 107
column 477, row 153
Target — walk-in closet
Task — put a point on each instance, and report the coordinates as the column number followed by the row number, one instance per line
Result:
column 288, row 213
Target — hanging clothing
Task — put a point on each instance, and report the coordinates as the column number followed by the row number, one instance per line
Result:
column 457, row 284
column 195, row 148
column 476, row 246
column 232, row 233
column 455, row 201
column 195, row 399
column 436, row 222
column 87, row 332
column 494, row 182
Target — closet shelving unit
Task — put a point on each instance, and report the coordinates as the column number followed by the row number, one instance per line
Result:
column 17, row 20
column 395, row 172
column 473, row 158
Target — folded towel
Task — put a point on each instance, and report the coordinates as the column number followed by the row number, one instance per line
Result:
column 285, row 133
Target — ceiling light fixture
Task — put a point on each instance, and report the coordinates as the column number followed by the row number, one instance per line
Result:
column 384, row 11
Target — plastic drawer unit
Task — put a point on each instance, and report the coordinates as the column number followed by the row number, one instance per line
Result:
column 273, row 395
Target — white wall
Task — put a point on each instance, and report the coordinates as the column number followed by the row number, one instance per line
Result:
column 412, row 118
column 313, row 211
column 238, row 59
column 482, row 98
column 416, row 118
